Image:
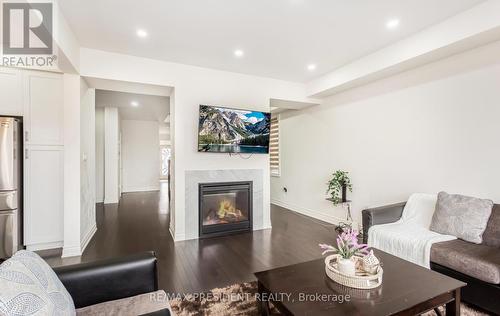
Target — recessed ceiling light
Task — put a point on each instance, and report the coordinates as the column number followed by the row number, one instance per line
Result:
column 134, row 103
column 392, row 24
column 239, row 53
column 311, row 67
column 142, row 33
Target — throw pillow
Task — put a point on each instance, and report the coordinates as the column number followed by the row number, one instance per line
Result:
column 461, row 216
column 30, row 287
column 491, row 235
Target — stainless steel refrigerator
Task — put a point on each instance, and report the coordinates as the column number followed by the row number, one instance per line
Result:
column 11, row 217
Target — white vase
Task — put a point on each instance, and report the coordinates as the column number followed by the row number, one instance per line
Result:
column 347, row 266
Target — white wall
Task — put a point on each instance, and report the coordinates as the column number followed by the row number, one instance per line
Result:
column 87, row 164
column 111, row 162
column 194, row 86
column 140, row 155
column 430, row 129
column 99, row 155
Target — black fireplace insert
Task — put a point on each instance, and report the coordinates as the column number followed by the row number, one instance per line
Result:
column 225, row 208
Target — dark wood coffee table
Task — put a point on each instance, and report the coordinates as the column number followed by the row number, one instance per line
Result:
column 407, row 289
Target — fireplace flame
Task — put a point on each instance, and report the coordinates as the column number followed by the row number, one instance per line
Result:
column 227, row 209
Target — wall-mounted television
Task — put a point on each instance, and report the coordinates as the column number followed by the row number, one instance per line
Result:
column 226, row 130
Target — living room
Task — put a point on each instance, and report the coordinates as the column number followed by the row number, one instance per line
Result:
column 298, row 132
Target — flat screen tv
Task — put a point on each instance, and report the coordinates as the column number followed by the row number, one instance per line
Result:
column 226, row 130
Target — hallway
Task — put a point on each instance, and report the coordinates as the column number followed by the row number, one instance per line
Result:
column 140, row 223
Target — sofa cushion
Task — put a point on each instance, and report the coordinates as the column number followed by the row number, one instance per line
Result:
column 133, row 306
column 28, row 286
column 479, row 261
column 491, row 236
column 461, row 216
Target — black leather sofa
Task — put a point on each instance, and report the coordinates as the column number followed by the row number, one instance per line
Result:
column 108, row 280
column 483, row 294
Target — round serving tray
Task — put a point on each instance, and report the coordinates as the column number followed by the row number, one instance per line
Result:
column 362, row 279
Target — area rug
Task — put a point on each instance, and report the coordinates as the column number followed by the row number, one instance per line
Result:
column 239, row 299
column 236, row 299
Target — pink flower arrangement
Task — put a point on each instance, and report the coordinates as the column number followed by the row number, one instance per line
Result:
column 347, row 245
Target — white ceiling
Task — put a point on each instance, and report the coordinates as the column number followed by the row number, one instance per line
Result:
column 279, row 37
column 151, row 107
column 130, row 87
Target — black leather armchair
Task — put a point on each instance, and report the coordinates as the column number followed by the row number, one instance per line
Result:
column 108, row 280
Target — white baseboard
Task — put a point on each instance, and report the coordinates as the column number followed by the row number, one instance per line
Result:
column 141, row 189
column 181, row 237
column 308, row 212
column 263, row 228
column 45, row 246
column 172, row 233
column 177, row 237
column 88, row 237
column 71, row 251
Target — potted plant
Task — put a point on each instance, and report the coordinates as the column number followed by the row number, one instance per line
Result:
column 338, row 186
column 347, row 248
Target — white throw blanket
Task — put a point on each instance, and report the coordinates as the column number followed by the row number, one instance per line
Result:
column 410, row 237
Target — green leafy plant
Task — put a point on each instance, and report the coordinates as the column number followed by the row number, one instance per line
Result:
column 339, row 180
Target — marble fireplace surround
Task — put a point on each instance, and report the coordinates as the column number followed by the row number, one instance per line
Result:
column 195, row 177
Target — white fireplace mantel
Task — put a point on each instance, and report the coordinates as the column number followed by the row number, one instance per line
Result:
column 195, row 177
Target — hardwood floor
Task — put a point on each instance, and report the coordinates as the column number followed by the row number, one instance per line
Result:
column 140, row 222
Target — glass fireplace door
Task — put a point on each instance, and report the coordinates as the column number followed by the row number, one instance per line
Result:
column 225, row 208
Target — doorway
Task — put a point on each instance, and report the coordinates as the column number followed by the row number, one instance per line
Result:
column 131, row 125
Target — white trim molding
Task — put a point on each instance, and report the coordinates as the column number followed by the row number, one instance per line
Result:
column 141, row 189
column 71, row 251
column 308, row 212
column 177, row 237
column 44, row 246
column 263, row 228
column 88, row 237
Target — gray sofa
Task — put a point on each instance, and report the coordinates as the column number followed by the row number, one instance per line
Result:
column 476, row 264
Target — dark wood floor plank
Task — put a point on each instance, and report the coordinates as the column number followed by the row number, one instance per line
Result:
column 140, row 223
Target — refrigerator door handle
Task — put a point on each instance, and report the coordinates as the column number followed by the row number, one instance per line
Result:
column 8, row 200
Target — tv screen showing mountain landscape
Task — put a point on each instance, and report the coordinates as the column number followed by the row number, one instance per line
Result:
column 233, row 131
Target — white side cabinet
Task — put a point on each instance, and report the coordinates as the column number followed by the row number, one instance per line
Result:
column 43, row 102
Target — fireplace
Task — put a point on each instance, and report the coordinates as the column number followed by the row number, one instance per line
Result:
column 225, row 208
